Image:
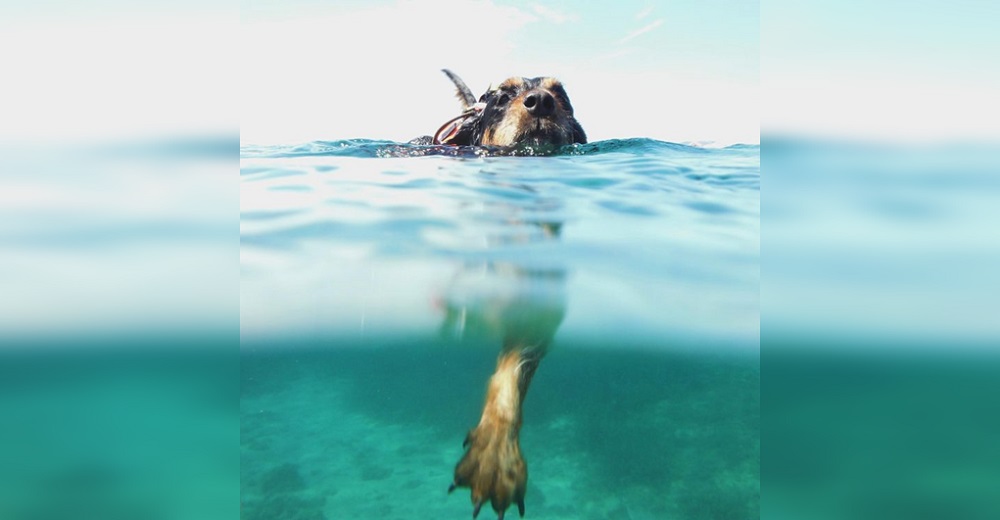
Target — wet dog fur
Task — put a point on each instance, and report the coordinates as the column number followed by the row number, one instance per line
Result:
column 532, row 111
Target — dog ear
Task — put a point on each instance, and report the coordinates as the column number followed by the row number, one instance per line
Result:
column 462, row 91
column 578, row 134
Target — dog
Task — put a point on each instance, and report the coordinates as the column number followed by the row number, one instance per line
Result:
column 520, row 111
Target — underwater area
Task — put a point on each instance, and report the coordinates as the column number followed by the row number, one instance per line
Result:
column 377, row 279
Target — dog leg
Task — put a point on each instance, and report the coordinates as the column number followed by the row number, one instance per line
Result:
column 492, row 466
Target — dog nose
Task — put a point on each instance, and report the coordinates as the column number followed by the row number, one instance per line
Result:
column 540, row 103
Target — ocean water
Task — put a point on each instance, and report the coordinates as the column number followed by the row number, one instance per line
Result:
column 377, row 280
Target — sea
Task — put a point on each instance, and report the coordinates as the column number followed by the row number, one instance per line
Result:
column 377, row 280
column 327, row 361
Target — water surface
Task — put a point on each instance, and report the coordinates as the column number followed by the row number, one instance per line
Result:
column 377, row 278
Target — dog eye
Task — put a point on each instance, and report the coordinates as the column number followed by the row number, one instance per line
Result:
column 503, row 99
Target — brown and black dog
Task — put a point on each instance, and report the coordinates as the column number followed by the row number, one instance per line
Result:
column 521, row 111
column 532, row 111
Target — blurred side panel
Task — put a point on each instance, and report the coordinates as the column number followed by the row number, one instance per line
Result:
column 118, row 262
column 880, row 332
column 879, row 329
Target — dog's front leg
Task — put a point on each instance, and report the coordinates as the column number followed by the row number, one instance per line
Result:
column 492, row 465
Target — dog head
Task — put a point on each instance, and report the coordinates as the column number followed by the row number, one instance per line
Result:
column 532, row 111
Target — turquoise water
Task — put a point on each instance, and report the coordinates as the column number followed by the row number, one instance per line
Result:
column 378, row 278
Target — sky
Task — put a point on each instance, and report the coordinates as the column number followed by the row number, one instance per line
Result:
column 888, row 71
column 292, row 71
column 99, row 71
column 678, row 71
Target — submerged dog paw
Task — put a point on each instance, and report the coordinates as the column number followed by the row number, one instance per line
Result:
column 493, row 469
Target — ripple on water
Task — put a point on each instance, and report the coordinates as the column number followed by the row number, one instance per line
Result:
column 711, row 208
column 639, row 222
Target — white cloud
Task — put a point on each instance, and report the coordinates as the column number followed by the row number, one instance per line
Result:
column 665, row 106
column 551, row 15
column 642, row 30
column 370, row 72
column 646, row 11
column 118, row 76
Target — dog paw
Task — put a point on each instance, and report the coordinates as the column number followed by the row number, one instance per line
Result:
column 493, row 469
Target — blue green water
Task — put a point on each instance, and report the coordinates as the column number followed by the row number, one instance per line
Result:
column 377, row 280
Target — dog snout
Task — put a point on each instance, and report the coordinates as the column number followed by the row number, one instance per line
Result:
column 540, row 103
